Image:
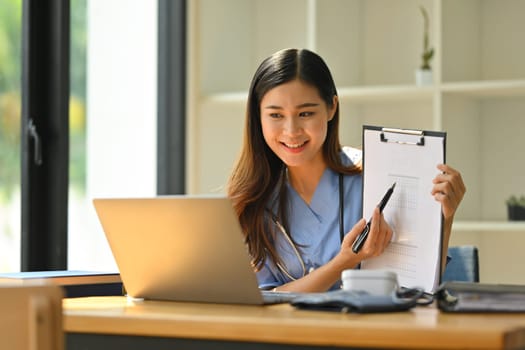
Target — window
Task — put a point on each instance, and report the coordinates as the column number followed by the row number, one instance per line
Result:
column 110, row 139
column 113, row 151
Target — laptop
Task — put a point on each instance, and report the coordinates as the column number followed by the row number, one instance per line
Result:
column 181, row 248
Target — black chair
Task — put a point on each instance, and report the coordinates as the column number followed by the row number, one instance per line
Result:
column 463, row 265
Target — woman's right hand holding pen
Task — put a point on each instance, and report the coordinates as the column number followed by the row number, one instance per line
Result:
column 378, row 239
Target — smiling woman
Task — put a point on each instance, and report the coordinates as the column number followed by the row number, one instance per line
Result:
column 290, row 167
column 296, row 190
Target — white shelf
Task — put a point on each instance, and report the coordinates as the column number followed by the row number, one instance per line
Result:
column 486, row 88
column 357, row 95
column 483, row 226
column 227, row 98
column 374, row 94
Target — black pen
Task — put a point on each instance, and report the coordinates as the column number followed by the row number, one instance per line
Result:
column 360, row 240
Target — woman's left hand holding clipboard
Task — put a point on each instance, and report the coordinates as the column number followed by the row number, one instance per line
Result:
column 448, row 189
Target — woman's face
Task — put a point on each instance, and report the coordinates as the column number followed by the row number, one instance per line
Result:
column 294, row 121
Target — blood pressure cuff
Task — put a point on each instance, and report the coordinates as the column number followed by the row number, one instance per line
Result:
column 361, row 302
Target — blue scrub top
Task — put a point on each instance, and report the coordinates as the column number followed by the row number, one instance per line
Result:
column 315, row 227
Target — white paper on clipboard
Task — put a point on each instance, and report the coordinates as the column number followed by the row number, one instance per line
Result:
column 408, row 158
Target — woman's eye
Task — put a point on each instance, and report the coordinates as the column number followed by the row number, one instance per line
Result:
column 275, row 115
column 306, row 114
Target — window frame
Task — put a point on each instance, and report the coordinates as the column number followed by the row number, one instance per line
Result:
column 45, row 134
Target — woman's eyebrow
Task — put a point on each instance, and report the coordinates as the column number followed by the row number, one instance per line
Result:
column 307, row 104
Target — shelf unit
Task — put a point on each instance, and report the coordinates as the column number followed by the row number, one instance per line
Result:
column 373, row 48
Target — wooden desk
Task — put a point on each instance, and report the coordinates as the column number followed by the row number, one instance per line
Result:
column 115, row 322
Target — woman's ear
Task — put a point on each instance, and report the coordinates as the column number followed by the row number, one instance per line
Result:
column 333, row 108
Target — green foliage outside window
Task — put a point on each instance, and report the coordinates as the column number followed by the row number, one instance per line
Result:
column 77, row 101
column 10, row 81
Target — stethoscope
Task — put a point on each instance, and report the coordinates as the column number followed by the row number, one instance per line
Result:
column 281, row 228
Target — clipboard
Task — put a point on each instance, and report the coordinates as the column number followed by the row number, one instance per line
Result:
column 409, row 158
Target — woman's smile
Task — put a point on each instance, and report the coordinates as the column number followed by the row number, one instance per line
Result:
column 295, row 147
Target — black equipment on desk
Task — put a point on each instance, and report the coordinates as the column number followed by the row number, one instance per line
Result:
column 480, row 297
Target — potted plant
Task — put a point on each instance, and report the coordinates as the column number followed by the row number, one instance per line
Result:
column 516, row 208
column 424, row 72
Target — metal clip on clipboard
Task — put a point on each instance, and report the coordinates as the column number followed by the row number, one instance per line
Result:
column 416, row 133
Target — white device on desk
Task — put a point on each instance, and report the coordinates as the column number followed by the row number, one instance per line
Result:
column 376, row 282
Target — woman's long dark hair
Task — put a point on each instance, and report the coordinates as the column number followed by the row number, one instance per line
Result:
column 259, row 173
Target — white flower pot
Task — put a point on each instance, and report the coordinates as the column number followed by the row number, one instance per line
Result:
column 423, row 77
